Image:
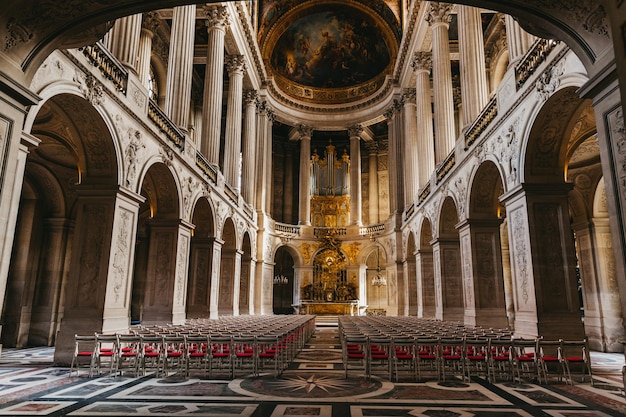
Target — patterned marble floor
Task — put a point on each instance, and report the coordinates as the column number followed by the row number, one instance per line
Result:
column 314, row 385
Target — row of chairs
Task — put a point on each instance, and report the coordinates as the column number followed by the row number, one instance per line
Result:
column 450, row 350
column 212, row 353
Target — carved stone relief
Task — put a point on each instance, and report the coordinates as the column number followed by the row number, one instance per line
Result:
column 131, row 155
column 521, row 255
column 91, row 88
column 618, row 141
column 91, row 251
column 181, row 263
column 163, row 269
column 549, row 81
column 121, row 255
column 467, row 271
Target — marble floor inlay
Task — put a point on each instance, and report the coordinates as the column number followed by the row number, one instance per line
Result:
column 313, row 385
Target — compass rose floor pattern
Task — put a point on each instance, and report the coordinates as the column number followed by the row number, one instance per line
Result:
column 314, row 385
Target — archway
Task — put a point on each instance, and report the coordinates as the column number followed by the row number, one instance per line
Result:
column 544, row 281
column 485, row 300
column 597, row 281
column 376, row 281
column 156, row 248
column 247, row 273
column 426, row 272
column 201, row 261
column 447, row 257
column 229, row 271
column 59, row 279
column 283, row 282
column 411, row 272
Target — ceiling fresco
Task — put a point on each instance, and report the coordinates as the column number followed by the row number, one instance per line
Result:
column 329, row 51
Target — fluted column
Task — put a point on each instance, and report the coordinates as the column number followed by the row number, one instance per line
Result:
column 355, row 174
column 472, row 63
column 304, row 203
column 439, row 18
column 411, row 157
column 236, row 67
column 249, row 146
column 217, row 21
column 372, row 149
column 149, row 26
column 180, row 66
column 518, row 39
column 123, row 40
column 422, row 64
column 395, row 167
column 270, row 117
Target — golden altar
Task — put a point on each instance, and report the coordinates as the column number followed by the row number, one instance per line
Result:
column 339, row 308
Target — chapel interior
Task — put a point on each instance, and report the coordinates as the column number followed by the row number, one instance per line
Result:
column 166, row 161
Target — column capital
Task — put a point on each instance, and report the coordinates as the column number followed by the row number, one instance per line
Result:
column 439, row 13
column 372, row 147
column 355, row 131
column 250, row 97
column 304, row 131
column 150, row 21
column 422, row 61
column 235, row 64
column 216, row 17
column 409, row 95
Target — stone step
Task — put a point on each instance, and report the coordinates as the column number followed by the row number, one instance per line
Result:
column 326, row 321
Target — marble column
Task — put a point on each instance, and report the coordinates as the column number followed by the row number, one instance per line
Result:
column 355, row 174
column 472, row 63
column 236, row 67
column 123, row 40
column 217, row 22
column 149, row 25
column 372, row 150
column 390, row 116
column 304, row 213
column 180, row 66
column 518, row 39
column 411, row 157
column 270, row 117
column 439, row 19
column 422, row 64
column 249, row 146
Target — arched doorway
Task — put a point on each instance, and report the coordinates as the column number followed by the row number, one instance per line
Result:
column 156, row 248
column 447, row 258
column 426, row 272
column 411, row 271
column 247, row 272
column 201, row 261
column 229, row 271
column 485, row 301
column 283, row 282
column 376, row 282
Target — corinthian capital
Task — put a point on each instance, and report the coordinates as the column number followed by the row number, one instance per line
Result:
column 422, row 61
column 250, row 96
column 235, row 64
column 216, row 16
column 305, row 131
column 439, row 13
column 355, row 130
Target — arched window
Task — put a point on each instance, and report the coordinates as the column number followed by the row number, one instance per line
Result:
column 153, row 87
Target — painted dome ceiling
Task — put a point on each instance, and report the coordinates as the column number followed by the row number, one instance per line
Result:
column 329, row 52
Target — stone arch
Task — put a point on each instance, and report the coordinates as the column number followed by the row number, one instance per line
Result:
column 156, row 246
column 447, row 259
column 76, row 157
column 200, row 285
column 425, row 271
column 377, row 291
column 284, row 282
column 411, row 272
column 246, row 282
column 481, row 248
column 545, row 154
column 229, row 270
